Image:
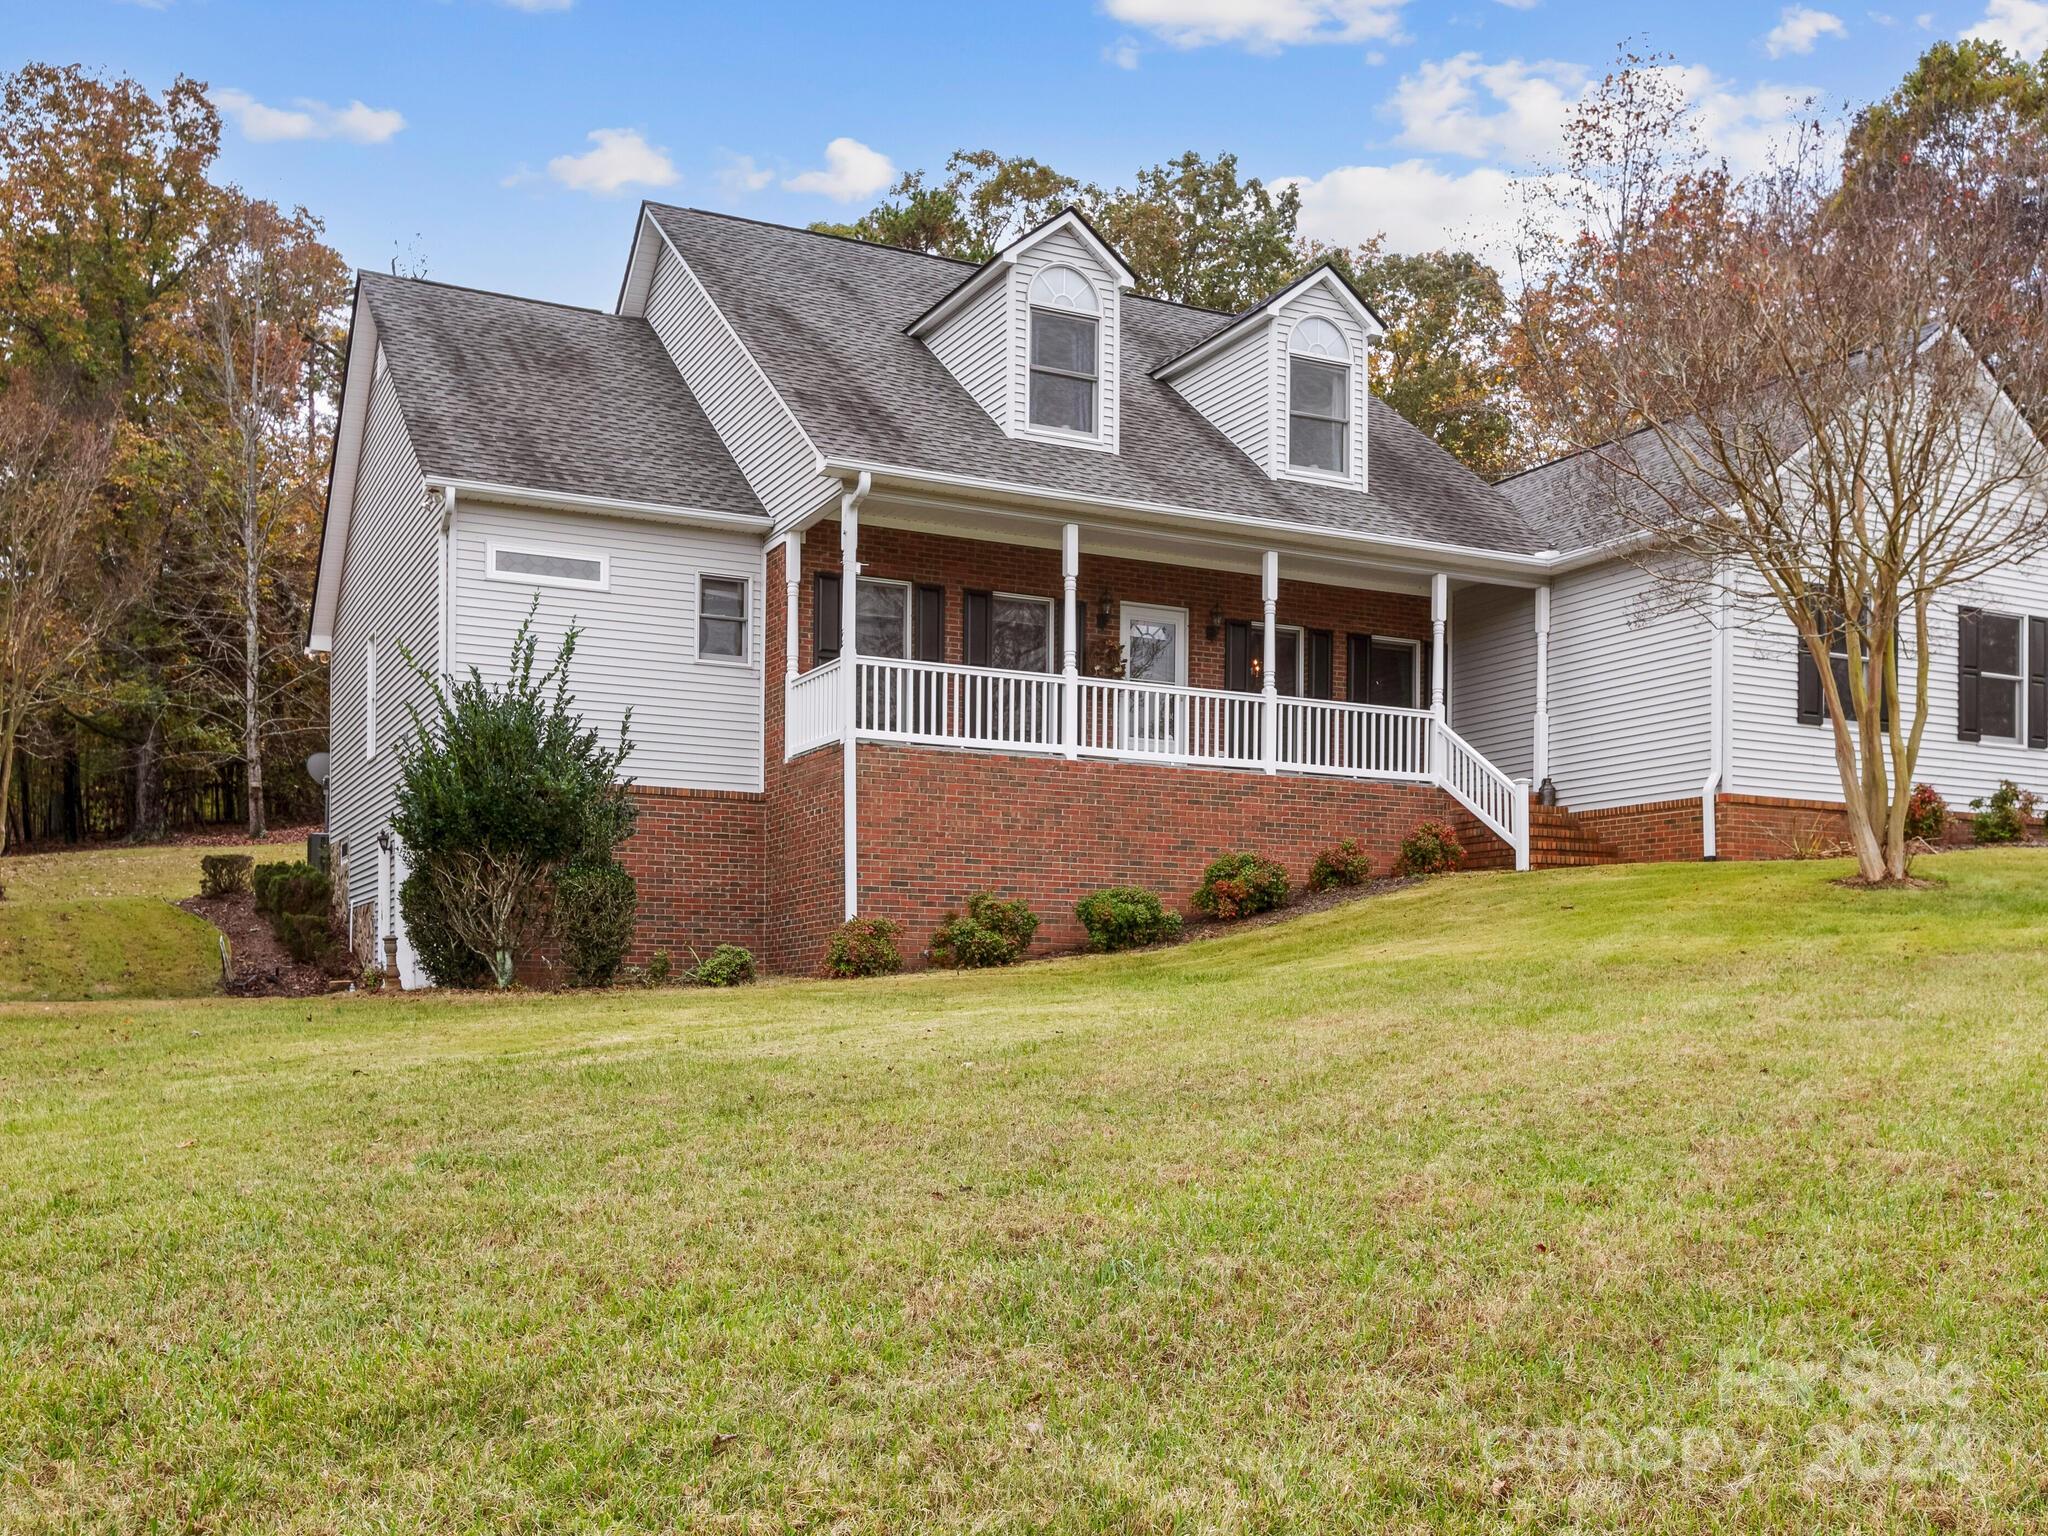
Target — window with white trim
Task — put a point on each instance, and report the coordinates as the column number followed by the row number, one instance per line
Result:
column 1065, row 324
column 2001, row 676
column 721, row 618
column 1318, row 398
column 1020, row 633
column 881, row 618
column 541, row 566
column 1287, row 653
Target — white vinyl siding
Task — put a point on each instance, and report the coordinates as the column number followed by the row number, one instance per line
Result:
column 1230, row 390
column 756, row 427
column 1315, row 300
column 974, row 347
column 1064, row 250
column 1493, row 675
column 696, row 722
column 1631, row 691
column 390, row 593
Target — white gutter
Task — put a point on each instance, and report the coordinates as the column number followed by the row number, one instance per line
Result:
column 1717, row 756
column 445, row 575
column 1433, row 555
column 611, row 506
column 849, row 680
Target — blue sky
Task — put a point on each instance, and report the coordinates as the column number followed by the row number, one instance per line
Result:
column 505, row 143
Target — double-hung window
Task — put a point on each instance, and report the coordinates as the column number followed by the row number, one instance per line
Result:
column 881, row 617
column 1065, row 320
column 1318, row 398
column 2001, row 677
column 1020, row 633
column 722, row 618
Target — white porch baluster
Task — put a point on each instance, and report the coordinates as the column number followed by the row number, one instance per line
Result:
column 1541, row 764
column 1439, row 612
column 1070, row 672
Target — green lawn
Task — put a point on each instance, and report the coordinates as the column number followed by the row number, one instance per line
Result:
column 99, row 923
column 1680, row 1198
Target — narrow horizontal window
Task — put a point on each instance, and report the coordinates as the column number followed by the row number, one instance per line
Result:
column 549, row 567
column 722, row 618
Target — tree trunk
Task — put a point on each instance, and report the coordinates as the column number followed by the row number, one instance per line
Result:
column 252, row 655
column 146, row 815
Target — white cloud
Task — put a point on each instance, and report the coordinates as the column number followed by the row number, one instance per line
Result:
column 742, row 174
column 1520, row 5
column 2022, row 25
column 851, row 172
column 1799, row 28
column 305, row 119
column 535, row 7
column 1417, row 206
column 1924, row 21
column 619, row 158
column 1263, row 26
column 1123, row 53
column 1523, row 115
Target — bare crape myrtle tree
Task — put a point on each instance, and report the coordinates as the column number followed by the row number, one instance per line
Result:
column 1818, row 386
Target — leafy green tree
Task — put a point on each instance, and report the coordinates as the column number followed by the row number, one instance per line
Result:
column 1443, row 363
column 1196, row 232
column 499, row 793
column 984, row 201
column 1953, row 84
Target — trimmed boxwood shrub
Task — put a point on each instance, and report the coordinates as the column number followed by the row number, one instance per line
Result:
column 1345, row 864
column 224, row 874
column 595, row 905
column 1125, row 917
column 1240, row 884
column 992, row 932
column 729, row 965
column 865, row 946
column 1431, row 849
column 297, row 899
column 1926, row 814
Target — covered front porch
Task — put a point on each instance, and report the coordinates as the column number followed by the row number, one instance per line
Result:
column 994, row 631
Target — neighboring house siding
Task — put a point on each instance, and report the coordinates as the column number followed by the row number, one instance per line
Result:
column 975, row 349
column 696, row 724
column 1493, row 675
column 1631, row 691
column 1064, row 250
column 756, row 427
column 390, row 593
column 1318, row 301
column 1231, row 390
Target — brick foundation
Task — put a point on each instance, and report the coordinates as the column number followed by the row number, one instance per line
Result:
column 1657, row 831
column 695, row 855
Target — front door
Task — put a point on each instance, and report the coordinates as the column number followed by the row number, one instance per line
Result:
column 1155, row 651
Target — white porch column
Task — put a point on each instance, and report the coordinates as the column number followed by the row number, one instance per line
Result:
column 1439, row 612
column 849, row 682
column 1540, row 768
column 1070, row 670
column 792, row 585
column 1269, row 705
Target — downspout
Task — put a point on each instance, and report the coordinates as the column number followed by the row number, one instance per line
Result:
column 445, row 639
column 849, row 666
column 1717, row 693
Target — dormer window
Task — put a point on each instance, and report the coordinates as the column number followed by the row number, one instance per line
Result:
column 1318, row 398
column 1064, row 321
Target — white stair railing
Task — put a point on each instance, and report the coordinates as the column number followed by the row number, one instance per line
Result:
column 1500, row 803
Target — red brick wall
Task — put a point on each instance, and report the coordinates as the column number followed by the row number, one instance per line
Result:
column 803, row 830
column 695, row 855
column 960, row 564
column 937, row 826
column 1659, row 830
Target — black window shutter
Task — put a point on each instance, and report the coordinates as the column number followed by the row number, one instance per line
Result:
column 977, row 614
column 1237, row 656
column 1427, row 651
column 930, row 641
column 1357, row 668
column 1321, row 685
column 2037, row 683
column 1967, row 727
column 1810, row 698
column 824, row 617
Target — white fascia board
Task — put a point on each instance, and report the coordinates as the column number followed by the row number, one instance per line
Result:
column 1264, row 314
column 1478, row 563
column 1071, row 223
column 639, row 277
column 602, row 506
column 977, row 282
column 358, row 384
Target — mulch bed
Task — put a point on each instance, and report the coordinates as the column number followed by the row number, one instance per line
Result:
column 261, row 966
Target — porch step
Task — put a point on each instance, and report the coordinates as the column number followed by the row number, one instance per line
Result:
column 1557, row 840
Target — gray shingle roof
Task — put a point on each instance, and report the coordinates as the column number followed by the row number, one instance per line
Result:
column 548, row 398
column 824, row 318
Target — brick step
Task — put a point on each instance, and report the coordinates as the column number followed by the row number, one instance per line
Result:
column 1557, row 840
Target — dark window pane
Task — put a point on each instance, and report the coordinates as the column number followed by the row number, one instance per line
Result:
column 1058, row 401
column 1020, row 635
column 1319, row 389
column 1838, row 663
column 1390, row 677
column 1316, row 444
column 882, row 619
column 724, row 599
column 1065, row 342
column 1286, row 660
column 1998, row 644
column 1998, row 707
column 721, row 637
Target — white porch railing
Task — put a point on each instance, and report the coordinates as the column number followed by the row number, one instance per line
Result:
column 811, row 708
column 937, row 704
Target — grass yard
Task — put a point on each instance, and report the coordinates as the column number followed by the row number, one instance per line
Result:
column 100, row 923
column 1672, row 1198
